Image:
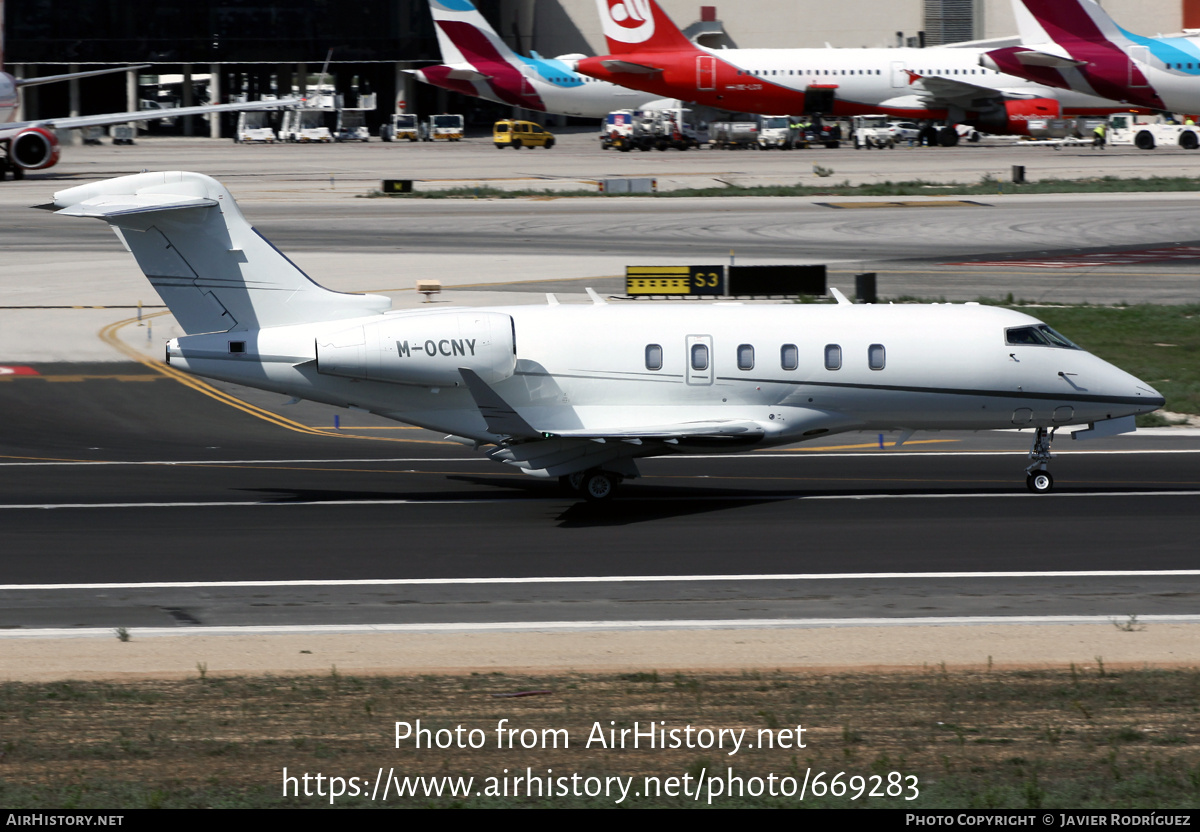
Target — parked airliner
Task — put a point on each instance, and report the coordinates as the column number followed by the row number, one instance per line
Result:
column 476, row 62
column 940, row 83
column 582, row 391
column 1075, row 45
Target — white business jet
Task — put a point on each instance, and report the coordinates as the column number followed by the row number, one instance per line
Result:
column 582, row 391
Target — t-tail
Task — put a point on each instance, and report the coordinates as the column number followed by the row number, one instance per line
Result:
column 640, row 26
column 214, row 271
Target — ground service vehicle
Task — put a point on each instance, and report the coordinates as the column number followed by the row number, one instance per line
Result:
column 777, row 131
column 445, row 127
column 351, row 127
column 1149, row 132
column 518, row 134
column 254, row 128
column 400, row 126
column 662, row 129
column 307, row 125
column 580, row 392
column 723, row 135
column 872, row 131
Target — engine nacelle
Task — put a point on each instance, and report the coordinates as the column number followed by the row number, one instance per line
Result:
column 34, row 149
column 1017, row 113
column 422, row 348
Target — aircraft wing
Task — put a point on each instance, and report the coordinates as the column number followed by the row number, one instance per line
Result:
column 707, row 429
column 937, row 89
column 7, row 131
column 503, row 419
column 71, row 76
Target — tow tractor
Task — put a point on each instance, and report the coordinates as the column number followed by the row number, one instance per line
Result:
column 400, row 126
column 445, row 127
column 1149, row 132
column 254, row 127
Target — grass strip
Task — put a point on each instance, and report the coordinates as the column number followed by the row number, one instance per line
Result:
column 988, row 185
column 1087, row 737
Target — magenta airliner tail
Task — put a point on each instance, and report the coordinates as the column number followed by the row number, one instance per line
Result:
column 1075, row 45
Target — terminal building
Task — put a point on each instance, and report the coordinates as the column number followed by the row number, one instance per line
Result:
column 233, row 49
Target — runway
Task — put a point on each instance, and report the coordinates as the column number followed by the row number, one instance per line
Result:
column 130, row 500
column 249, row 523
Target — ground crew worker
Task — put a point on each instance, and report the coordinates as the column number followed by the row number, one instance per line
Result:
column 1098, row 137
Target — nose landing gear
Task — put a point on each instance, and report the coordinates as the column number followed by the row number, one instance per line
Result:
column 1037, row 478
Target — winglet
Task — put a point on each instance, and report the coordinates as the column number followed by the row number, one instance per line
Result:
column 838, row 296
column 499, row 415
column 596, row 299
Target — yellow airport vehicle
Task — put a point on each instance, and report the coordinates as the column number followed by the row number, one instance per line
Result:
column 518, row 134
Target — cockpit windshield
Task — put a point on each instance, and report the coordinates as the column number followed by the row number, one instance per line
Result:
column 1037, row 336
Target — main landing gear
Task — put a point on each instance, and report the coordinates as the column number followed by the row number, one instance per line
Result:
column 1037, row 478
column 595, row 485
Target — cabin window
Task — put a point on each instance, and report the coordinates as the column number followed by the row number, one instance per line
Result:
column 876, row 357
column 745, row 356
column 833, row 357
column 789, row 357
column 699, row 356
column 653, row 357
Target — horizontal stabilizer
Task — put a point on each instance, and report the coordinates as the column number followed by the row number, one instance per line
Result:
column 213, row 270
column 1037, row 57
column 629, row 67
column 115, row 206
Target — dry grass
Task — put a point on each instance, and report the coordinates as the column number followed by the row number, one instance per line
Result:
column 1081, row 738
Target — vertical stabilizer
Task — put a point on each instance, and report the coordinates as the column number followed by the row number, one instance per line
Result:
column 213, row 269
column 1066, row 21
column 461, row 29
column 640, row 26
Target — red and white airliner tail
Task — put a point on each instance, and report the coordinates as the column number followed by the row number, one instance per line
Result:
column 649, row 52
column 640, row 26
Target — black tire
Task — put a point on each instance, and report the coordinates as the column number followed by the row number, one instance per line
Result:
column 1188, row 141
column 549, row 144
column 1144, row 141
column 516, row 144
column 572, row 483
column 599, row 486
column 1040, row 482
column 499, row 146
column 947, row 137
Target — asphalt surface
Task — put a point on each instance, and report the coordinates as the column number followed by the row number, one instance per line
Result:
column 129, row 500
column 112, row 474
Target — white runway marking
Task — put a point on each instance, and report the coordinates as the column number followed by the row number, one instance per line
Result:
column 766, row 497
column 800, row 452
column 577, row 626
column 618, row 579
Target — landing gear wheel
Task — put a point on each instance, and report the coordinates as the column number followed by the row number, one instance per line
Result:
column 572, row 483
column 599, row 486
column 1037, row 478
column 1040, row 482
